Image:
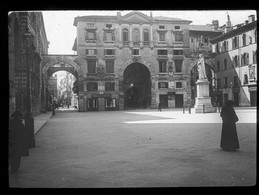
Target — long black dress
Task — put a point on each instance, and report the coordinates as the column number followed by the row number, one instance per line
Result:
column 229, row 138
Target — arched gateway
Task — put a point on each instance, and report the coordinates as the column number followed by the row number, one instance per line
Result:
column 137, row 86
column 53, row 63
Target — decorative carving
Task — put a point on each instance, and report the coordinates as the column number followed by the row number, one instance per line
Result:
column 100, row 67
column 170, row 69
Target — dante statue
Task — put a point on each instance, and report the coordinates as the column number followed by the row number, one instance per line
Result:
column 201, row 67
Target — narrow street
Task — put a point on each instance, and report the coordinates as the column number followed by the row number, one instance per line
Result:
column 138, row 148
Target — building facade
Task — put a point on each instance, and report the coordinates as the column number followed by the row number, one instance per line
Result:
column 24, row 61
column 137, row 61
column 236, row 63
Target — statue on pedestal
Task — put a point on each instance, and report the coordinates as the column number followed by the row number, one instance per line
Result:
column 201, row 67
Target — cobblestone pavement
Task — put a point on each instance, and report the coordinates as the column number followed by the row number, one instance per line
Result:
column 138, row 148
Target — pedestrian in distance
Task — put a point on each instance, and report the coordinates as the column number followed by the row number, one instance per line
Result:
column 159, row 107
column 18, row 144
column 229, row 138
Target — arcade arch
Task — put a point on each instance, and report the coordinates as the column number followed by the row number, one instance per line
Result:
column 136, row 86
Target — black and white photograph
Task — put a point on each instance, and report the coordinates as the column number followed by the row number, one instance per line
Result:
column 132, row 98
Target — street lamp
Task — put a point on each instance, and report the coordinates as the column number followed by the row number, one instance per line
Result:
column 29, row 120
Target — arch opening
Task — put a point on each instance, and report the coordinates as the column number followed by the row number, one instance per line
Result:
column 137, row 86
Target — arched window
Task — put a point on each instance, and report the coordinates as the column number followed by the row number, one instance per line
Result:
column 146, row 35
column 125, row 35
column 135, row 35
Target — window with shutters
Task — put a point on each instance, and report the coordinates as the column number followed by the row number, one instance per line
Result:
column 244, row 59
column 235, row 61
column 135, row 52
column 235, row 43
column 226, row 82
column 162, row 66
column 178, row 65
column 162, row 52
column 92, row 86
column 244, row 39
column 91, row 66
column 109, row 66
column 178, row 85
column 161, row 36
column 178, row 36
column 225, row 64
column 163, row 85
column 161, row 27
column 109, row 52
column 109, row 86
column 178, row 52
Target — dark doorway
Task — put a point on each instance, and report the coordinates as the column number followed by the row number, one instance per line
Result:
column 178, row 100
column 137, row 86
column 236, row 99
column 132, row 97
column 163, row 100
column 253, row 98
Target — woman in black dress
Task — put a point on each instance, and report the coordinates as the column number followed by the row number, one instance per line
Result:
column 229, row 138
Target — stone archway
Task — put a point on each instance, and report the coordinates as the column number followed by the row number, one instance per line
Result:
column 136, row 86
column 48, row 61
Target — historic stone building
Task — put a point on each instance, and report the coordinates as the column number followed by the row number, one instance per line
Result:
column 137, row 61
column 236, row 62
column 27, row 42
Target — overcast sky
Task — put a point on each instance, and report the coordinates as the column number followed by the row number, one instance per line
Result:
column 61, row 33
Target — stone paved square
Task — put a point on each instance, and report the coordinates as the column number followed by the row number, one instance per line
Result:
column 138, row 148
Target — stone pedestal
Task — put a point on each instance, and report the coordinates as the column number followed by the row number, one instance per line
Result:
column 203, row 98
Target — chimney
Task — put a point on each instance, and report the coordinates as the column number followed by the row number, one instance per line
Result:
column 118, row 14
column 251, row 18
column 246, row 22
column 215, row 24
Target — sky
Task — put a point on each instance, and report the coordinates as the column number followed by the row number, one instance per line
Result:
column 61, row 33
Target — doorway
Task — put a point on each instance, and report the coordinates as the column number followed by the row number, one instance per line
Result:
column 178, row 100
column 163, row 100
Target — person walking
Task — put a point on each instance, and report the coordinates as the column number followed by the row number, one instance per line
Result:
column 18, row 145
column 159, row 107
column 229, row 138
